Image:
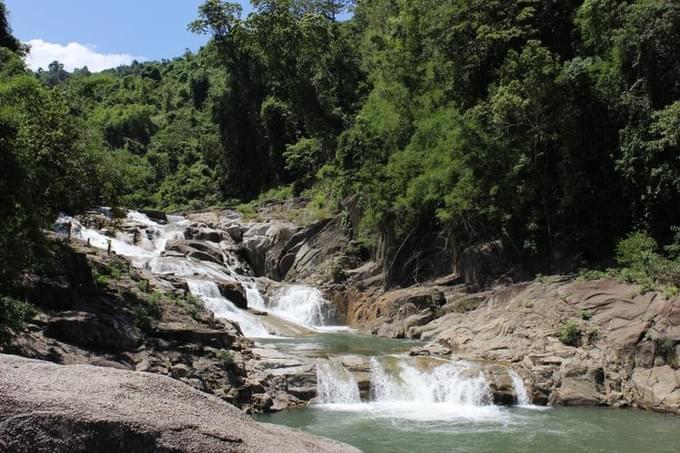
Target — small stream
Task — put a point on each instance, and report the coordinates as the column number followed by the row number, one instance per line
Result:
column 371, row 393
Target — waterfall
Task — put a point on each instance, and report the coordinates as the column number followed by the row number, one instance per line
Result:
column 304, row 305
column 255, row 299
column 521, row 395
column 222, row 307
column 456, row 383
column 336, row 385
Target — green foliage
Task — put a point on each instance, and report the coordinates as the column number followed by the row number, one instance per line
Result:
column 665, row 347
column 549, row 127
column 641, row 261
column 226, row 358
column 586, row 315
column 570, row 333
column 13, row 314
column 189, row 303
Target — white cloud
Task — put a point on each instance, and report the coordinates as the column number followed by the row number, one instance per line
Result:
column 73, row 55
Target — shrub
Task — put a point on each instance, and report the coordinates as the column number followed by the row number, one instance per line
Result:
column 586, row 315
column 642, row 263
column 13, row 314
column 570, row 333
column 665, row 347
column 189, row 303
column 226, row 358
column 144, row 285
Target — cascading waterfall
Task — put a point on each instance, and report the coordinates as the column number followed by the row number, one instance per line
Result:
column 255, row 299
column 144, row 249
column 209, row 293
column 303, row 305
column 452, row 382
column 400, row 389
column 521, row 395
column 335, row 384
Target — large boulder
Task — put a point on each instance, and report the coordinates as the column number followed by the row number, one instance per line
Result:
column 235, row 293
column 53, row 408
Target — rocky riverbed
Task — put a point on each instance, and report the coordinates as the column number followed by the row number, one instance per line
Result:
column 230, row 307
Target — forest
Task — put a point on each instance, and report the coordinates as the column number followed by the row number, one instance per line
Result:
column 550, row 127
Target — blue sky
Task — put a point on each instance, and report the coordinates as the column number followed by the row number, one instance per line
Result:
column 104, row 33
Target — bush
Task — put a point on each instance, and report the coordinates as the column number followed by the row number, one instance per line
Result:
column 13, row 314
column 189, row 303
column 642, row 263
column 665, row 347
column 226, row 358
column 586, row 315
column 570, row 333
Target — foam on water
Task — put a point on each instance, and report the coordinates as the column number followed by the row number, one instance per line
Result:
column 451, row 392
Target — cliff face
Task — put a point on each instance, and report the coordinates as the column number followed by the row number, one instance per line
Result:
column 53, row 408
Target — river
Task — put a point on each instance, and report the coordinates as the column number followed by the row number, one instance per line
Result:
column 370, row 392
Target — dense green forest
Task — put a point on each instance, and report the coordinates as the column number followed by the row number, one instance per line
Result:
column 551, row 127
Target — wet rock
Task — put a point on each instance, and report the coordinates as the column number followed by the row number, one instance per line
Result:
column 500, row 383
column 235, row 292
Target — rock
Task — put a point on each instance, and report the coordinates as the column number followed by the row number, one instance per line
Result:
column 155, row 215
column 53, row 294
column 499, row 381
column 202, row 233
column 580, row 385
column 58, row 409
column 180, row 370
column 431, row 349
column 396, row 312
column 202, row 251
column 234, row 291
column 179, row 333
column 95, row 330
column 236, row 232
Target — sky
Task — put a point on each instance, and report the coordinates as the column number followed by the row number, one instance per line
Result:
column 102, row 34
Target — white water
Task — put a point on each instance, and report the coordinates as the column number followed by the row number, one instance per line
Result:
column 303, row 305
column 451, row 392
column 451, row 383
column 145, row 249
column 521, row 395
column 209, row 293
column 335, row 384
